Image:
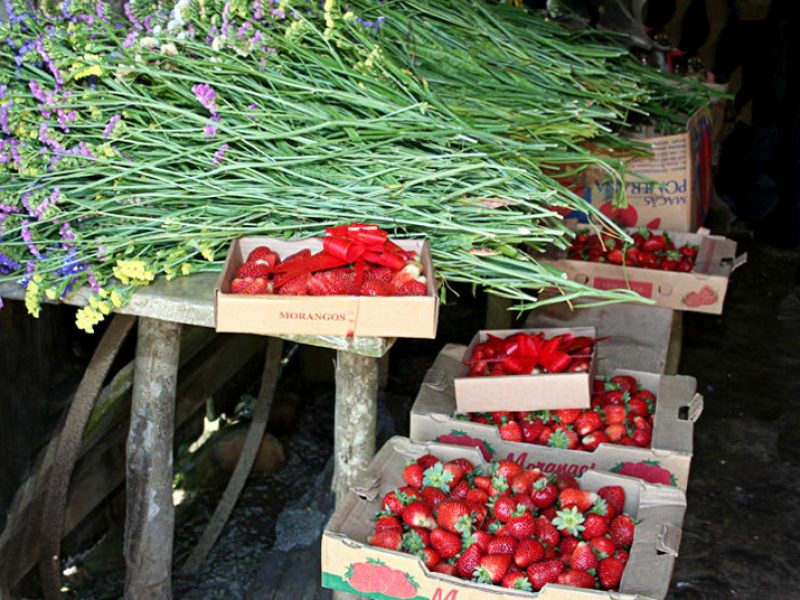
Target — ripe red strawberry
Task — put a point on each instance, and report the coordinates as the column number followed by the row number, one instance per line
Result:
column 479, row 513
column 565, row 439
column 378, row 274
column 642, row 438
column 528, row 552
column 433, row 496
column 295, row 286
column 565, row 482
column 511, row 432
column 456, row 471
column 412, row 288
column 468, row 561
column 583, row 557
column 524, row 500
column 504, row 544
column 614, row 414
column 263, row 255
column 594, row 525
column 429, row 556
column 517, row 581
column 388, row 522
column 603, row 545
column 574, row 497
column 426, row 461
column 447, row 544
column 419, row 514
column 477, row 496
column 622, row 555
column 492, row 568
column 454, row 516
column 614, row 495
column 414, row 475
column 544, row 493
column 609, row 571
column 616, row 432
column 587, row 422
column 390, row 538
column 466, row 466
column 503, row 508
column 542, row 573
column 621, row 530
column 625, row 383
column 637, row 406
column 531, row 430
column 507, row 469
column 481, row 538
column 460, row 490
column 615, row 256
column 392, row 503
column 521, row 484
column 482, row 482
column 251, row 269
column 546, row 531
column 593, row 440
column 522, row 526
column 250, row 285
column 377, row 288
column 336, row 282
column 577, row 578
column 567, row 546
column 445, row 568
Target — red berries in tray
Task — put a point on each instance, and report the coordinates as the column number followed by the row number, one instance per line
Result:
column 650, row 250
column 621, row 413
column 510, row 527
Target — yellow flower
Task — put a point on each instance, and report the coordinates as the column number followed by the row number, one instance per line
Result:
column 116, row 299
column 207, row 253
column 32, row 301
column 186, row 268
column 50, row 293
column 133, row 270
column 107, row 152
column 87, row 71
column 86, row 318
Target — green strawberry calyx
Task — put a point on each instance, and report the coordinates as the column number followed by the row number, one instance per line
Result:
column 437, row 477
column 569, row 520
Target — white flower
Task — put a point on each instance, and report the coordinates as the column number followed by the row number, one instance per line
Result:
column 169, row 49
column 148, row 42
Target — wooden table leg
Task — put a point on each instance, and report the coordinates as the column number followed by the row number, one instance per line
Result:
column 355, row 421
column 150, row 515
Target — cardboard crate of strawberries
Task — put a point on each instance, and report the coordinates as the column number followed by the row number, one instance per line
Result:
column 354, row 281
column 527, row 369
column 437, row 522
column 681, row 271
column 640, row 424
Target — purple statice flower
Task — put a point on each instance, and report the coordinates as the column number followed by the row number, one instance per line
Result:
column 4, row 110
column 73, row 265
column 100, row 11
column 130, row 39
column 206, row 96
column 47, row 140
column 9, row 153
column 3, row 90
column 131, row 17
column 278, row 13
column 252, row 106
column 210, row 130
column 376, row 24
column 109, row 129
column 220, row 154
column 101, row 253
column 49, row 62
column 11, row 15
column 93, row 283
column 67, row 235
column 83, row 150
column 148, row 23
column 8, row 264
column 27, row 237
column 65, row 117
column 257, row 37
column 258, row 14
column 47, row 202
column 86, row 18
column 226, row 22
column 244, row 30
column 26, row 47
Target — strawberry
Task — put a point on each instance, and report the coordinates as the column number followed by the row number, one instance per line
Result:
column 390, row 538
column 525, row 501
column 492, row 568
column 460, row 490
column 413, row 542
column 566, row 482
column 419, row 514
column 414, row 475
column 528, row 552
column 250, row 285
column 264, row 256
column 469, row 561
column 445, row 569
column 412, row 288
column 546, row 531
column 447, row 544
column 576, row 578
column 565, row 439
column 481, row 538
column 637, row 406
column 642, row 438
column 511, row 432
column 429, row 557
column 294, row 286
column 614, row 414
column 376, row 288
column 615, row 257
column 621, row 530
column 593, row 440
column 587, row 422
column 567, row 546
column 384, row 274
column 603, row 545
column 439, row 477
column 507, row 469
column 455, row 470
column 613, row 398
column 392, row 503
column 388, row 522
column 466, row 466
column 568, row 416
column 531, row 430
column 616, row 432
column 626, row 383
column 522, row 525
column 576, row 497
column 410, row 272
column 516, row 581
column 594, row 525
column 477, row 496
column 609, row 571
column 542, row 573
column 426, row 461
column 504, row 544
column 253, row 270
column 583, row 557
column 622, row 556
column 544, row 493
column 482, row 482
column 433, row 496
column 614, row 495
column 454, row 516
column 336, row 282
column 521, row 484
column 503, row 508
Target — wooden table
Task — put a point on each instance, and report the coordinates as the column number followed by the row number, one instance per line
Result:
column 162, row 309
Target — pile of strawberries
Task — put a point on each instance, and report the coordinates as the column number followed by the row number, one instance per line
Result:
column 511, row 527
column 531, row 354
column 622, row 413
column 650, row 250
column 257, row 276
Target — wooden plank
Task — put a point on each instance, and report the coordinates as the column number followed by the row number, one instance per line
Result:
column 150, row 512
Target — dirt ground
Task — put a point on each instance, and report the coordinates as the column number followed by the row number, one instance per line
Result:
column 740, row 531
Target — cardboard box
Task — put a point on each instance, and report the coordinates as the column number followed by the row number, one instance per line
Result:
column 351, row 565
column 701, row 290
column 671, row 188
column 678, row 406
column 524, row 392
column 362, row 316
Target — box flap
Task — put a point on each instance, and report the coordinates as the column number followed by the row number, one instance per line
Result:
column 669, row 539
